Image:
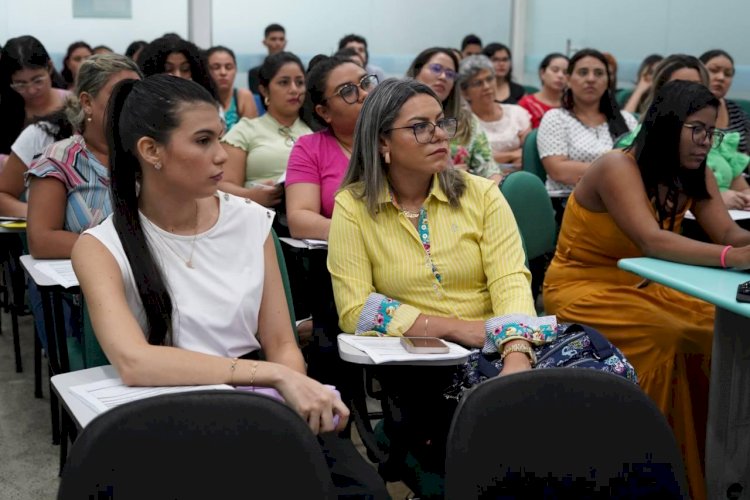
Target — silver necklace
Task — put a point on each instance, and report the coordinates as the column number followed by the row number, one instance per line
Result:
column 189, row 261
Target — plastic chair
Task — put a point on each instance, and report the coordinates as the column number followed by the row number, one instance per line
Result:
column 530, row 89
column 531, row 162
column 535, row 217
column 561, row 433
column 744, row 104
column 622, row 96
column 195, row 445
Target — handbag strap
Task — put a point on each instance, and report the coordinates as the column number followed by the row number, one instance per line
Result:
column 603, row 348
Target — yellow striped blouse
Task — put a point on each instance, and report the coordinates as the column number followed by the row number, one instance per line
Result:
column 476, row 248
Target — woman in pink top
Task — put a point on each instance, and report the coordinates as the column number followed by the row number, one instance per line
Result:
column 553, row 73
column 336, row 87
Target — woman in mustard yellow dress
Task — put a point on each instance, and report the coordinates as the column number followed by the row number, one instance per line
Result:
column 631, row 204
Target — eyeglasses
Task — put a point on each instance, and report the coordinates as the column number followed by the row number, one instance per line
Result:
column 350, row 92
column 36, row 82
column 286, row 133
column 475, row 84
column 424, row 132
column 439, row 69
column 701, row 133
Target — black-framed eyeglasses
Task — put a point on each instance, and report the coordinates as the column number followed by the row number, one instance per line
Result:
column 424, row 132
column 350, row 92
column 701, row 133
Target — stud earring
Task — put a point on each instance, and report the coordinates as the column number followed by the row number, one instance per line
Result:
column 88, row 119
column 387, row 158
column 157, row 165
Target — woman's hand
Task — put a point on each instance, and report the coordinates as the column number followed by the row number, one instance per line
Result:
column 267, row 193
column 316, row 403
column 738, row 257
column 736, row 200
column 515, row 362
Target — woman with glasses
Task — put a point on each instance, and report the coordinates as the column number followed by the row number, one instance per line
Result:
column 585, row 126
column 470, row 149
column 553, row 74
column 336, row 87
column 506, row 125
column 631, row 203
column 506, row 90
column 258, row 148
column 236, row 103
column 26, row 88
column 419, row 248
column 725, row 159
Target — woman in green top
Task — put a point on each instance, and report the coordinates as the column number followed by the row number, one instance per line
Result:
column 258, row 148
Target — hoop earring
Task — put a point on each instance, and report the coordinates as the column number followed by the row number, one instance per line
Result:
column 265, row 101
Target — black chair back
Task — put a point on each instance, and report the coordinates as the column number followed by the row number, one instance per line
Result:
column 561, row 433
column 204, row 444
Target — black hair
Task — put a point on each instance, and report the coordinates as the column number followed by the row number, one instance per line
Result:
column 100, row 47
column 271, row 28
column 708, row 55
column 136, row 109
column 490, row 50
column 317, row 80
column 56, row 124
column 153, row 59
column 135, row 47
column 23, row 52
column 348, row 53
column 272, row 65
column 549, row 58
column 66, row 73
column 656, row 148
column 220, row 48
column 352, row 38
column 470, row 39
column 607, row 104
column 648, row 62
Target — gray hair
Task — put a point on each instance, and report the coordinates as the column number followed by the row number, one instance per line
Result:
column 471, row 66
column 367, row 174
column 92, row 76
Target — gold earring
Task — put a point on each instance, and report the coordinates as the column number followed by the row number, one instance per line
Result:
column 387, row 158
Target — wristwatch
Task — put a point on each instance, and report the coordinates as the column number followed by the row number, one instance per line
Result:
column 524, row 347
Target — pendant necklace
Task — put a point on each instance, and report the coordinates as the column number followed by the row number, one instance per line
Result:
column 189, row 261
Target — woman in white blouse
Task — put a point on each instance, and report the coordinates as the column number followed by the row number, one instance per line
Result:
column 506, row 125
column 585, row 126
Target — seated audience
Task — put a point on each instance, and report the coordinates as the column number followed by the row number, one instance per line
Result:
column 26, row 88
column 507, row 91
column 336, row 88
column 68, row 183
column 506, row 125
column 637, row 100
column 258, row 149
column 732, row 118
column 359, row 44
column 76, row 54
column 134, row 49
column 471, row 45
column 676, row 67
column 236, row 103
column 28, row 146
column 274, row 38
column 177, row 57
column 102, row 49
column 630, row 204
column 470, row 149
column 585, row 126
column 394, row 214
column 553, row 75
column 151, row 280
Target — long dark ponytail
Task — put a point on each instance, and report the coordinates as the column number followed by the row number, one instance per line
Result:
column 136, row 109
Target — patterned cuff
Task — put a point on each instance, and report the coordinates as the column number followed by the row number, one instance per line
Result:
column 502, row 329
column 376, row 314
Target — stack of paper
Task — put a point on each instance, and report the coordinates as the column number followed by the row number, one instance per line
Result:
column 389, row 349
column 59, row 270
column 305, row 243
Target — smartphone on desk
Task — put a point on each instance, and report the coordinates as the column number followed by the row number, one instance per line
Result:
column 424, row 345
column 743, row 292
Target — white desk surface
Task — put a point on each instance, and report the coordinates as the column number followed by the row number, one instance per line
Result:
column 351, row 354
column 40, row 278
column 82, row 414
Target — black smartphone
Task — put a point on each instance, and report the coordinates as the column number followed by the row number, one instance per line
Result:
column 743, row 292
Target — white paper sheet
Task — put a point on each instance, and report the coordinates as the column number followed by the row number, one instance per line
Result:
column 385, row 349
column 59, row 270
column 734, row 214
column 306, row 243
column 106, row 394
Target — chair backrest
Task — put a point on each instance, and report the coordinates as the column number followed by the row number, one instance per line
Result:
column 561, row 433
column 533, row 210
column 622, row 96
column 204, row 444
column 285, row 281
column 531, row 162
column 530, row 89
column 744, row 104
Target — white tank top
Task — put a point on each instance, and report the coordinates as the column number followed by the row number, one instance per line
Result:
column 216, row 302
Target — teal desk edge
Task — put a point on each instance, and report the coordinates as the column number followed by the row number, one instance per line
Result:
column 714, row 285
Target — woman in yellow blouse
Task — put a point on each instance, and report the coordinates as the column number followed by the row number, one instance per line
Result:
column 419, row 248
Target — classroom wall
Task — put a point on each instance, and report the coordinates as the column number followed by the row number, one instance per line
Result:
column 633, row 29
